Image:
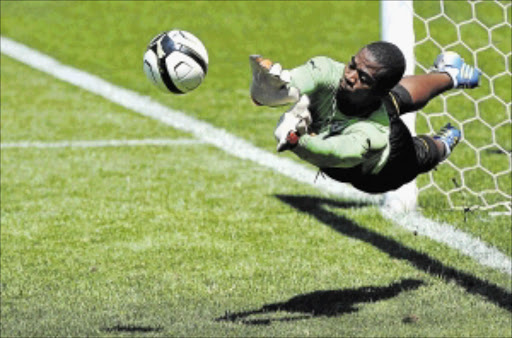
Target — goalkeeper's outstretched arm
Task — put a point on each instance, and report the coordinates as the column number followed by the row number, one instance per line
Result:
column 423, row 88
column 449, row 72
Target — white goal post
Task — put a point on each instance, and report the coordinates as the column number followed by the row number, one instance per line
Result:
column 396, row 20
column 478, row 174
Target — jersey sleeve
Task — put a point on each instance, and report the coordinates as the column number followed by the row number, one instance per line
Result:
column 403, row 99
column 345, row 150
column 317, row 71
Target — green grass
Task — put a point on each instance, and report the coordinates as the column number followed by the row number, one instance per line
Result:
column 73, row 116
column 187, row 240
column 159, row 248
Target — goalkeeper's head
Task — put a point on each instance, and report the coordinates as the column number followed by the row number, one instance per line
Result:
column 369, row 76
column 392, row 65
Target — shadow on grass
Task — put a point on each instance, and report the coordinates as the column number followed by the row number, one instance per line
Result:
column 132, row 329
column 339, row 302
column 329, row 303
column 474, row 285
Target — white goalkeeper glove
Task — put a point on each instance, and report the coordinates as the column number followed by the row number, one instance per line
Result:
column 270, row 84
column 462, row 74
column 293, row 124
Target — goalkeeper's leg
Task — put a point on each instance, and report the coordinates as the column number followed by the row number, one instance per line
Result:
column 431, row 150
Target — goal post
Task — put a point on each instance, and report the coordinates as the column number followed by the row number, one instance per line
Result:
column 396, row 21
column 478, row 174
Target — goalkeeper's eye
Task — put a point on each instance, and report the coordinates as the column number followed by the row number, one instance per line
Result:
column 364, row 77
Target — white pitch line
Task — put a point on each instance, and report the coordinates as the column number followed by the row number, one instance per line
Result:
column 442, row 232
column 455, row 238
column 100, row 143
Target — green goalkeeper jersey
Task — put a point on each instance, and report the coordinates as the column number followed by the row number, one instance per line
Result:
column 334, row 139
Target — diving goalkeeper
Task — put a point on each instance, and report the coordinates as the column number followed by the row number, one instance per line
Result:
column 344, row 118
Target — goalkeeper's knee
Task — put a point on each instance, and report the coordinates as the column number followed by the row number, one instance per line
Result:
column 462, row 74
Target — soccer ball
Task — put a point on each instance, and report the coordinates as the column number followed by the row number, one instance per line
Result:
column 176, row 61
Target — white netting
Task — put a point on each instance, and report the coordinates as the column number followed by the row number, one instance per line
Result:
column 478, row 173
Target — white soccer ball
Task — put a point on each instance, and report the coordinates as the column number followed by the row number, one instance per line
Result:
column 176, row 61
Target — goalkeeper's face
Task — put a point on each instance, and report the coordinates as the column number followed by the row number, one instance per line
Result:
column 359, row 79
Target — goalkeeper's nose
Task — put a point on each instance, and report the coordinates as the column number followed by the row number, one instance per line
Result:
column 347, row 84
column 350, row 78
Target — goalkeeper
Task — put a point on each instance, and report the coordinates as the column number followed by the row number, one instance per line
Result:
column 344, row 118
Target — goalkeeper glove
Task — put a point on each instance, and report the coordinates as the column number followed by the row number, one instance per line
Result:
column 462, row 74
column 270, row 84
column 293, row 124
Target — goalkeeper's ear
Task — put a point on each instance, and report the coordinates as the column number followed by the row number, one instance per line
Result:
column 270, row 84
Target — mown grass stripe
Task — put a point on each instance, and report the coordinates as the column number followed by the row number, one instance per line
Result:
column 444, row 233
column 101, row 143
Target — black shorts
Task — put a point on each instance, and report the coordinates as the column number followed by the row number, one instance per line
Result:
column 409, row 156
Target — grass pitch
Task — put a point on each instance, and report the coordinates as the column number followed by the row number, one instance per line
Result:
column 187, row 240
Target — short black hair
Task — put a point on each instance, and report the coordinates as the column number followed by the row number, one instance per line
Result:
column 392, row 60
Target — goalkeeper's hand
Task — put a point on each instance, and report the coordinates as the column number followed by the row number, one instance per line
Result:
column 462, row 74
column 270, row 84
column 292, row 125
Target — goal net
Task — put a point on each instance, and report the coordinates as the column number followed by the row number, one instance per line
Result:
column 477, row 175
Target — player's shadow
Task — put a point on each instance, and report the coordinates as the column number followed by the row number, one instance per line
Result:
column 132, row 329
column 315, row 206
column 329, row 303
